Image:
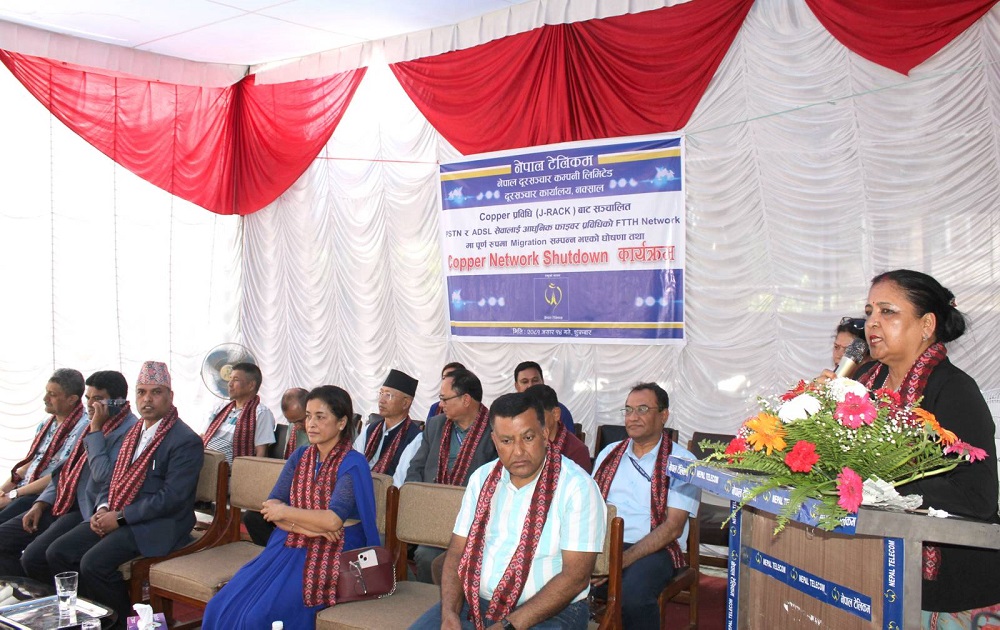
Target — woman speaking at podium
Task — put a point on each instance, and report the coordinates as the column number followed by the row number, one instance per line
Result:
column 910, row 318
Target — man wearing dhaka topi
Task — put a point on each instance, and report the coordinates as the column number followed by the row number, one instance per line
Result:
column 527, row 535
column 147, row 507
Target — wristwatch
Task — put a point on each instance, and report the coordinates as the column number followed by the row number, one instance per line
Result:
column 121, row 519
column 12, row 494
column 507, row 625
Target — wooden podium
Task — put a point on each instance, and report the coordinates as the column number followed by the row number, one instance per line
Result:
column 865, row 574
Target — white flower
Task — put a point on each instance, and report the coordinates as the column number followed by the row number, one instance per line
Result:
column 799, row 408
column 840, row 387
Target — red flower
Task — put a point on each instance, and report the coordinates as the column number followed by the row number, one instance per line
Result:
column 802, row 457
column 737, row 446
column 849, row 486
column 889, row 395
column 801, row 388
column 972, row 453
column 855, row 410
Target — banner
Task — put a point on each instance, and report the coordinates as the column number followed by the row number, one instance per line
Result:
column 567, row 243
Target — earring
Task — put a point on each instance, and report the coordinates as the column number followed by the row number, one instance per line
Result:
column 926, row 337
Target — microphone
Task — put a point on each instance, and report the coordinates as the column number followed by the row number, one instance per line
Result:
column 853, row 357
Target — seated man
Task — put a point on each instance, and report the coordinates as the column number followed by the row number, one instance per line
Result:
column 445, row 371
column 565, row 442
column 293, row 407
column 53, row 441
column 452, row 446
column 528, row 374
column 655, row 515
column 388, row 443
column 243, row 426
column 531, row 494
column 147, row 508
column 71, row 496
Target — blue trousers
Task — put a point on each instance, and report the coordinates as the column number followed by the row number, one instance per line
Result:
column 573, row 617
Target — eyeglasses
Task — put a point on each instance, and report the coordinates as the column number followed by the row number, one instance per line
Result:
column 388, row 395
column 641, row 410
column 447, row 398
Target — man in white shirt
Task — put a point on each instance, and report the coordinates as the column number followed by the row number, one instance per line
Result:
column 532, row 494
column 243, row 426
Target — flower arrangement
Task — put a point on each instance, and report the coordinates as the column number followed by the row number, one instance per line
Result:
column 823, row 440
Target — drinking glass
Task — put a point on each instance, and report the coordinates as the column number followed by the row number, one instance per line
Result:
column 66, row 591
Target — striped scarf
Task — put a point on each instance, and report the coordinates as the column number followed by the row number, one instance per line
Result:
column 292, row 438
column 69, row 479
column 312, row 491
column 246, row 427
column 559, row 443
column 129, row 476
column 511, row 585
column 58, row 440
column 660, row 487
column 371, row 446
column 911, row 390
column 458, row 476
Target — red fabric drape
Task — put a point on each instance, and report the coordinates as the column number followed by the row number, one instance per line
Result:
column 230, row 150
column 897, row 34
column 618, row 76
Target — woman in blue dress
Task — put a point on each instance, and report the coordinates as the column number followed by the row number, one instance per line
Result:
column 322, row 486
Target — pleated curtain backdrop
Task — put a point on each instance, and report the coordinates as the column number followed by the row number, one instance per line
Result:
column 809, row 169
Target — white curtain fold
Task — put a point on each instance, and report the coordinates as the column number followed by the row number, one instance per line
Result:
column 809, row 170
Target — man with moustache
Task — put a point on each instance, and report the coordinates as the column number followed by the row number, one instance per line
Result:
column 71, row 496
column 53, row 441
column 452, row 445
column 242, row 427
column 528, row 374
column 527, row 536
column 632, row 475
column 146, row 508
column 388, row 443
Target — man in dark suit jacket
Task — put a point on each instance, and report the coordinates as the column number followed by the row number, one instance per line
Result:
column 459, row 438
column 147, row 508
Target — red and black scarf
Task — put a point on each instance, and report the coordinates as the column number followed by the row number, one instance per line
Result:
column 910, row 391
column 129, row 476
column 69, row 478
column 560, row 441
column 660, row 487
column 243, row 434
column 371, row 446
column 312, row 491
column 58, row 440
column 511, row 585
column 458, row 475
column 292, row 439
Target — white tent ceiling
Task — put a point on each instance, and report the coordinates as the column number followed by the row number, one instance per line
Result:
column 241, row 32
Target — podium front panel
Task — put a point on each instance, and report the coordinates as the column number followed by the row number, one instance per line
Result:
column 806, row 577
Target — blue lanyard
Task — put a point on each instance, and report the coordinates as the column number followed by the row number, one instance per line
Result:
column 639, row 468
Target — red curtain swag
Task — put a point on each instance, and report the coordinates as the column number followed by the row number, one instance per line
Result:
column 230, row 150
column 897, row 34
column 619, row 76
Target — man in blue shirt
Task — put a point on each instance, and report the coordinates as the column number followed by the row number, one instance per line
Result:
column 632, row 475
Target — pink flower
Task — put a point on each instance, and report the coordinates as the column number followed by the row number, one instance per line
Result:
column 802, row 457
column 972, row 453
column 849, row 486
column 855, row 411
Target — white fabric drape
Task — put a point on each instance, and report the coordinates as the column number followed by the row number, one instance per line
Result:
column 809, row 170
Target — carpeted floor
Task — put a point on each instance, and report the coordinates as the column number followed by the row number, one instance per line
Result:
column 711, row 607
